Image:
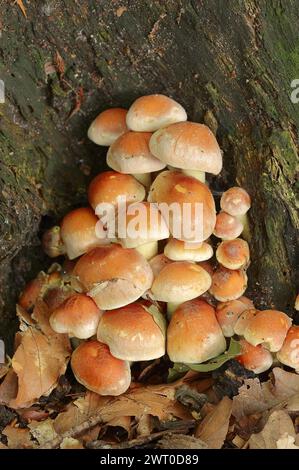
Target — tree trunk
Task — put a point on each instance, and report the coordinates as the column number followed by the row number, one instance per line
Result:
column 229, row 63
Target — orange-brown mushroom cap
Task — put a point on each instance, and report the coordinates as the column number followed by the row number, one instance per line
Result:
column 108, row 126
column 180, row 281
column 233, row 254
column 186, row 204
column 130, row 153
column 114, row 276
column 194, row 335
column 134, row 332
column 187, row 145
column 228, row 284
column 81, row 230
column 108, row 186
column 178, row 250
column 78, row 316
column 227, row 314
column 227, row 226
column 289, row 353
column 151, row 112
column 94, row 367
column 255, row 358
column 235, row 201
column 269, row 328
column 158, row 262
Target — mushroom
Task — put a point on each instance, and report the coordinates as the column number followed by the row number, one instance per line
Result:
column 244, row 319
column 289, row 353
column 130, row 154
column 151, row 112
column 189, row 146
column 108, row 126
column 81, row 230
column 228, row 284
column 37, row 288
column 142, row 227
column 236, row 202
column 108, row 186
column 94, row 367
column 158, row 262
column 193, row 334
column 114, row 276
column 227, row 227
column 178, row 250
column 186, row 204
column 51, row 242
column 254, row 358
column 233, row 254
column 78, row 316
column 227, row 314
column 269, row 328
column 134, row 332
column 296, row 306
column 178, row 282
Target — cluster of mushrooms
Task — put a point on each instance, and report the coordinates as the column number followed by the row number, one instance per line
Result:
column 138, row 299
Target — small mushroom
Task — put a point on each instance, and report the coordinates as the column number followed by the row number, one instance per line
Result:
column 289, row 353
column 134, row 332
column 228, row 284
column 78, row 316
column 130, row 154
column 194, row 335
column 236, row 202
column 233, row 254
column 189, row 146
column 178, row 250
column 108, row 126
column 94, row 367
column 178, row 282
column 227, row 227
column 255, row 358
column 151, row 112
column 227, row 314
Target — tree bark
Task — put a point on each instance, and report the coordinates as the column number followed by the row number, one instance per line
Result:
column 229, row 63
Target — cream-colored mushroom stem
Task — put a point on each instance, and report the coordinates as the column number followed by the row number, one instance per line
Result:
column 171, row 307
column 143, row 178
column 199, row 175
column 246, row 228
column 148, row 250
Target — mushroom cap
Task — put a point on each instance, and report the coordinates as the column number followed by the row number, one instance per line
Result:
column 193, row 335
column 227, row 226
column 296, row 306
column 158, row 262
column 235, row 201
column 80, row 231
column 144, row 223
column 289, row 353
column 228, row 284
column 269, row 328
column 227, row 314
column 133, row 333
column 130, row 153
column 94, row 367
column 78, row 316
column 178, row 250
column 187, row 145
column 207, row 266
column 255, row 358
column 180, row 281
column 108, row 126
column 186, row 205
column 233, row 254
column 114, row 276
column 243, row 320
column 151, row 112
column 108, row 186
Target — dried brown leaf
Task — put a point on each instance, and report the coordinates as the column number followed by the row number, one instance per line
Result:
column 4, row 368
column 278, row 425
column 40, row 359
column 214, row 427
column 43, row 431
column 18, row 438
column 181, row 441
column 286, row 442
column 71, row 443
column 9, row 388
column 256, row 397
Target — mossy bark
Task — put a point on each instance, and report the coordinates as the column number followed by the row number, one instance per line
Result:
column 229, row 63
